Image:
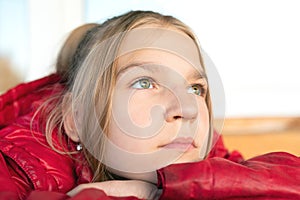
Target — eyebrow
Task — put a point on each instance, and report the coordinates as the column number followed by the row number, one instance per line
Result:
column 143, row 65
column 197, row 74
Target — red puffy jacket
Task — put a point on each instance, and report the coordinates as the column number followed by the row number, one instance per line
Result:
column 29, row 168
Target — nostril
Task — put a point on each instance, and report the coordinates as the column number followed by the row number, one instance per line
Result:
column 177, row 117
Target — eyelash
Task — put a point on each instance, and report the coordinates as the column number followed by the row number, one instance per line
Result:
column 151, row 81
column 154, row 85
column 201, row 88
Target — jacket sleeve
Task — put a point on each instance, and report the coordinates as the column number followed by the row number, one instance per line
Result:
column 13, row 182
column 8, row 189
column 270, row 176
column 90, row 194
column 14, row 185
column 219, row 150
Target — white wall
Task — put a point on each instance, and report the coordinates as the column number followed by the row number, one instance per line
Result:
column 50, row 22
column 14, row 33
column 255, row 44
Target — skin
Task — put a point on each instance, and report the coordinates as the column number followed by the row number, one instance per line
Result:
column 158, row 104
column 171, row 108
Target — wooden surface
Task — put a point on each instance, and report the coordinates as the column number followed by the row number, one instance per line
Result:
column 255, row 136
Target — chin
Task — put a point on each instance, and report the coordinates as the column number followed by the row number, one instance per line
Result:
column 150, row 177
column 187, row 159
column 179, row 161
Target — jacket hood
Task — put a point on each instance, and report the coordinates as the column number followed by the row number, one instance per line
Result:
column 17, row 101
column 28, row 148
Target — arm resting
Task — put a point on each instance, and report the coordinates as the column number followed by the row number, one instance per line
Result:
column 270, row 176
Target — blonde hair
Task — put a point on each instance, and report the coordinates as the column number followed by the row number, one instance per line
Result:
column 92, row 80
column 51, row 109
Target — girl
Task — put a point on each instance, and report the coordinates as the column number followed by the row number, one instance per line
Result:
column 131, row 117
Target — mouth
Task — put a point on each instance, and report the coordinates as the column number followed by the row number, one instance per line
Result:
column 181, row 143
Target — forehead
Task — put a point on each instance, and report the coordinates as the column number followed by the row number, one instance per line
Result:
column 158, row 61
column 168, row 47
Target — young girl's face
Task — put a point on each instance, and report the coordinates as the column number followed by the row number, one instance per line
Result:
column 159, row 108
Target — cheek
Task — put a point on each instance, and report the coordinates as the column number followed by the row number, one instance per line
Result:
column 140, row 110
column 121, row 139
column 203, row 124
column 133, row 112
column 126, row 131
column 125, row 141
column 204, row 114
column 135, row 119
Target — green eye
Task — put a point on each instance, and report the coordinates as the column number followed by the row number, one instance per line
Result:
column 143, row 84
column 196, row 89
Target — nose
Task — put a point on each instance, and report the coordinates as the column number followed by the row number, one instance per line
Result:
column 181, row 105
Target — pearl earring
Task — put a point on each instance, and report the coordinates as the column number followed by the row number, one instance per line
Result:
column 79, row 147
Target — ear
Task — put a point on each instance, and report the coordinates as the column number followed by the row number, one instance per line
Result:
column 69, row 123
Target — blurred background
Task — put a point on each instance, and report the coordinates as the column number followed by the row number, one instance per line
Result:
column 255, row 46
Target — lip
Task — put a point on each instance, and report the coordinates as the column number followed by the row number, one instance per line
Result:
column 180, row 143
